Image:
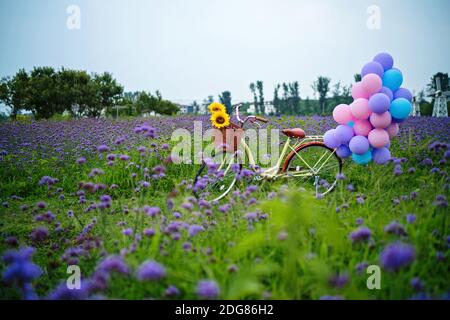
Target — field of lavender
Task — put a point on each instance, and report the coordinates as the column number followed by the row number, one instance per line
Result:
column 105, row 195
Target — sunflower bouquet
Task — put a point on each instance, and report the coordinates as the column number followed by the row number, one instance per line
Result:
column 229, row 135
column 219, row 116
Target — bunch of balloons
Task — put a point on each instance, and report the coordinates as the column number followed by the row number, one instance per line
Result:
column 371, row 120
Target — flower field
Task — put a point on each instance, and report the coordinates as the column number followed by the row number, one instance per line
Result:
column 105, row 195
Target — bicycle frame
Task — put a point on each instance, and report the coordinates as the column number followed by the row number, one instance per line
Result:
column 276, row 171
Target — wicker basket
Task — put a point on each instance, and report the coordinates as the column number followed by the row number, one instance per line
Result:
column 229, row 138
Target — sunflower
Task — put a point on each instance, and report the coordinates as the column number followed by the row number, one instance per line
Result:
column 220, row 119
column 215, row 107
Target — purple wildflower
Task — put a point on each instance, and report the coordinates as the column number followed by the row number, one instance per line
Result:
column 172, row 291
column 207, row 289
column 113, row 264
column 361, row 234
column 39, row 234
column 395, row 228
column 151, row 270
column 396, row 256
column 195, row 229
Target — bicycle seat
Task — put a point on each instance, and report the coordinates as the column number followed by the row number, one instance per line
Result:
column 294, row 133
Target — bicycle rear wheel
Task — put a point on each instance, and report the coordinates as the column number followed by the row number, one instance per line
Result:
column 315, row 163
column 217, row 176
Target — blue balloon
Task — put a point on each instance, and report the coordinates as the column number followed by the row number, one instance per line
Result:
column 364, row 158
column 381, row 155
column 343, row 151
column 351, row 123
column 392, row 79
column 400, row 108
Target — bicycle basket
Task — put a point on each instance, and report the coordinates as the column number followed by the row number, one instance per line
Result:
column 229, row 138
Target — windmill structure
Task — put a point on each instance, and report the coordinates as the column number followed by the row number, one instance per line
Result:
column 416, row 106
column 440, row 99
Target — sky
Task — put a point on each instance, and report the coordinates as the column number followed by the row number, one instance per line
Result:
column 189, row 49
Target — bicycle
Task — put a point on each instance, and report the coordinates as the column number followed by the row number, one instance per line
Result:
column 309, row 159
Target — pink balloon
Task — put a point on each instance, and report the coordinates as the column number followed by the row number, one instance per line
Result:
column 378, row 138
column 371, row 83
column 392, row 129
column 342, row 114
column 382, row 120
column 362, row 127
column 358, row 91
column 360, row 109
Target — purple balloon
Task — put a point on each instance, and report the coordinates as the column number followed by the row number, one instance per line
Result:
column 403, row 93
column 343, row 151
column 381, row 155
column 330, row 139
column 379, row 103
column 359, row 144
column 372, row 67
column 387, row 92
column 385, row 59
column 344, row 133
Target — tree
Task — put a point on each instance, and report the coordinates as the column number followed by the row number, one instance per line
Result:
column 206, row 102
column 346, row 94
column 357, row 77
column 276, row 99
column 13, row 92
column 225, row 99
column 260, row 88
column 321, row 87
column 285, row 103
column 195, row 107
column 294, row 97
column 108, row 90
column 43, row 96
column 255, row 98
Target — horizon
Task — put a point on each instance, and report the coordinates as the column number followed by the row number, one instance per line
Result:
column 191, row 50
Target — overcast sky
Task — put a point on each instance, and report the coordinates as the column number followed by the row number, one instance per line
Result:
column 189, row 49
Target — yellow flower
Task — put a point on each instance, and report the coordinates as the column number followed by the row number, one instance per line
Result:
column 215, row 107
column 220, row 119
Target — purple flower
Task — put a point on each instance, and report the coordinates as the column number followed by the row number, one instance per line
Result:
column 102, row 148
column 20, row 267
column 361, row 234
column 225, row 208
column 171, row 291
column 127, row 232
column 149, row 232
column 395, row 228
column 39, row 234
column 81, row 160
column 339, row 280
column 340, row 176
column 207, row 289
column 328, row 297
column 396, row 256
column 417, row 284
column 361, row 267
column 195, row 229
column 251, row 216
column 41, row 205
column 62, row 292
column 151, row 270
column 124, row 157
column 410, row 218
column 151, row 211
column 359, row 221
column 113, row 264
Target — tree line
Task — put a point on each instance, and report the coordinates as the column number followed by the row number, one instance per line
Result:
column 287, row 101
column 46, row 92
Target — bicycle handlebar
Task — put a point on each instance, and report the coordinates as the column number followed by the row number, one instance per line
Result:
column 255, row 118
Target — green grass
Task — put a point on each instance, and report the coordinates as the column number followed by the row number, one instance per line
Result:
column 316, row 248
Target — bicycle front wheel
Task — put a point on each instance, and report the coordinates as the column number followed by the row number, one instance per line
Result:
column 217, row 176
column 314, row 163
